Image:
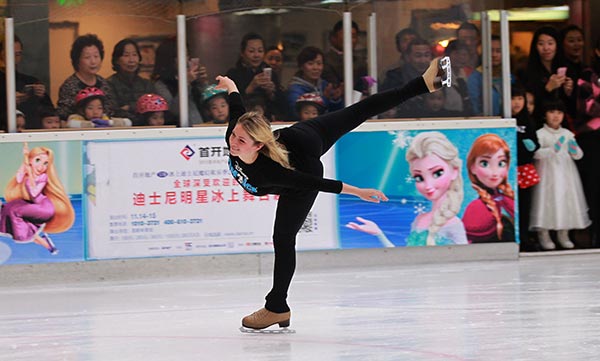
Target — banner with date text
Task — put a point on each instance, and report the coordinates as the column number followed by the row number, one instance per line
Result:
column 177, row 197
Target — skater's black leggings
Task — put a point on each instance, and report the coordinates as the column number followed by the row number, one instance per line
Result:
column 307, row 142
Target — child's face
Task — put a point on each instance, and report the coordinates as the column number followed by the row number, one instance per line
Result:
column 435, row 101
column 20, row 123
column 219, row 110
column 308, row 111
column 554, row 118
column 530, row 102
column 52, row 122
column 93, row 110
column 157, row 118
column 516, row 104
column 433, row 176
column 491, row 169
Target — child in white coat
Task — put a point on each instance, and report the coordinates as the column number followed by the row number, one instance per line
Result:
column 558, row 202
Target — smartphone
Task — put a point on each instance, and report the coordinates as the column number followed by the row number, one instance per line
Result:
column 29, row 89
column 268, row 72
column 194, row 63
column 561, row 71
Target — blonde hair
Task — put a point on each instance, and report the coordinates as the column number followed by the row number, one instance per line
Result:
column 64, row 215
column 436, row 143
column 259, row 129
column 490, row 144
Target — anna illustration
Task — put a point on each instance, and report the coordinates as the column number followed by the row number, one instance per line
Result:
column 490, row 218
column 436, row 170
column 37, row 203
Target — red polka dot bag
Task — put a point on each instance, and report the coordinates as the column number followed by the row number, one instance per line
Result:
column 527, row 176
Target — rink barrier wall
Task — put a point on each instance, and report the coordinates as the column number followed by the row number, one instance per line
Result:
column 333, row 253
column 245, row 265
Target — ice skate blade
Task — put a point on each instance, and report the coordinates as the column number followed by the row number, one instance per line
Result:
column 270, row 331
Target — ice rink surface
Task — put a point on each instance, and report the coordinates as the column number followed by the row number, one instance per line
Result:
column 537, row 308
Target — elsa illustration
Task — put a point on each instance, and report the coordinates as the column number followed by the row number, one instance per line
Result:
column 436, row 170
column 490, row 217
column 37, row 203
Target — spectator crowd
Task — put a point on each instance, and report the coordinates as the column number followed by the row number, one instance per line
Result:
column 555, row 100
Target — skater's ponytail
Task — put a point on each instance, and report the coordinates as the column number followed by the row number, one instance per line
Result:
column 259, row 129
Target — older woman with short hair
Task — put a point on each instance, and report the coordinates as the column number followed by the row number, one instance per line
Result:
column 87, row 53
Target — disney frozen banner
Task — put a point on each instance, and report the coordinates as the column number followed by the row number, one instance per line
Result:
column 177, row 197
column 41, row 214
column 446, row 187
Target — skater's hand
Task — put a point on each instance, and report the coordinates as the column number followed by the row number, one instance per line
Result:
column 226, row 83
column 366, row 194
column 365, row 226
column 559, row 143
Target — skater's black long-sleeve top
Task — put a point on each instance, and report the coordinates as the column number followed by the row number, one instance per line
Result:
column 265, row 176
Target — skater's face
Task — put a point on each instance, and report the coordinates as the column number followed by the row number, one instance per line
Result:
column 39, row 164
column 491, row 169
column 242, row 145
column 554, row 118
column 433, row 176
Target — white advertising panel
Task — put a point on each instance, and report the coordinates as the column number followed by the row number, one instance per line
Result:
column 174, row 197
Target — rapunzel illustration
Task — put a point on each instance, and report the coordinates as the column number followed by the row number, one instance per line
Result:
column 490, row 218
column 36, row 202
column 436, row 169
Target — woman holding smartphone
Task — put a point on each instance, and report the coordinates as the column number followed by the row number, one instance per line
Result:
column 257, row 83
column 546, row 78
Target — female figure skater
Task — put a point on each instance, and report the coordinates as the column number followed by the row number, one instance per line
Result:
column 287, row 162
column 36, row 201
column 490, row 218
column 436, row 168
